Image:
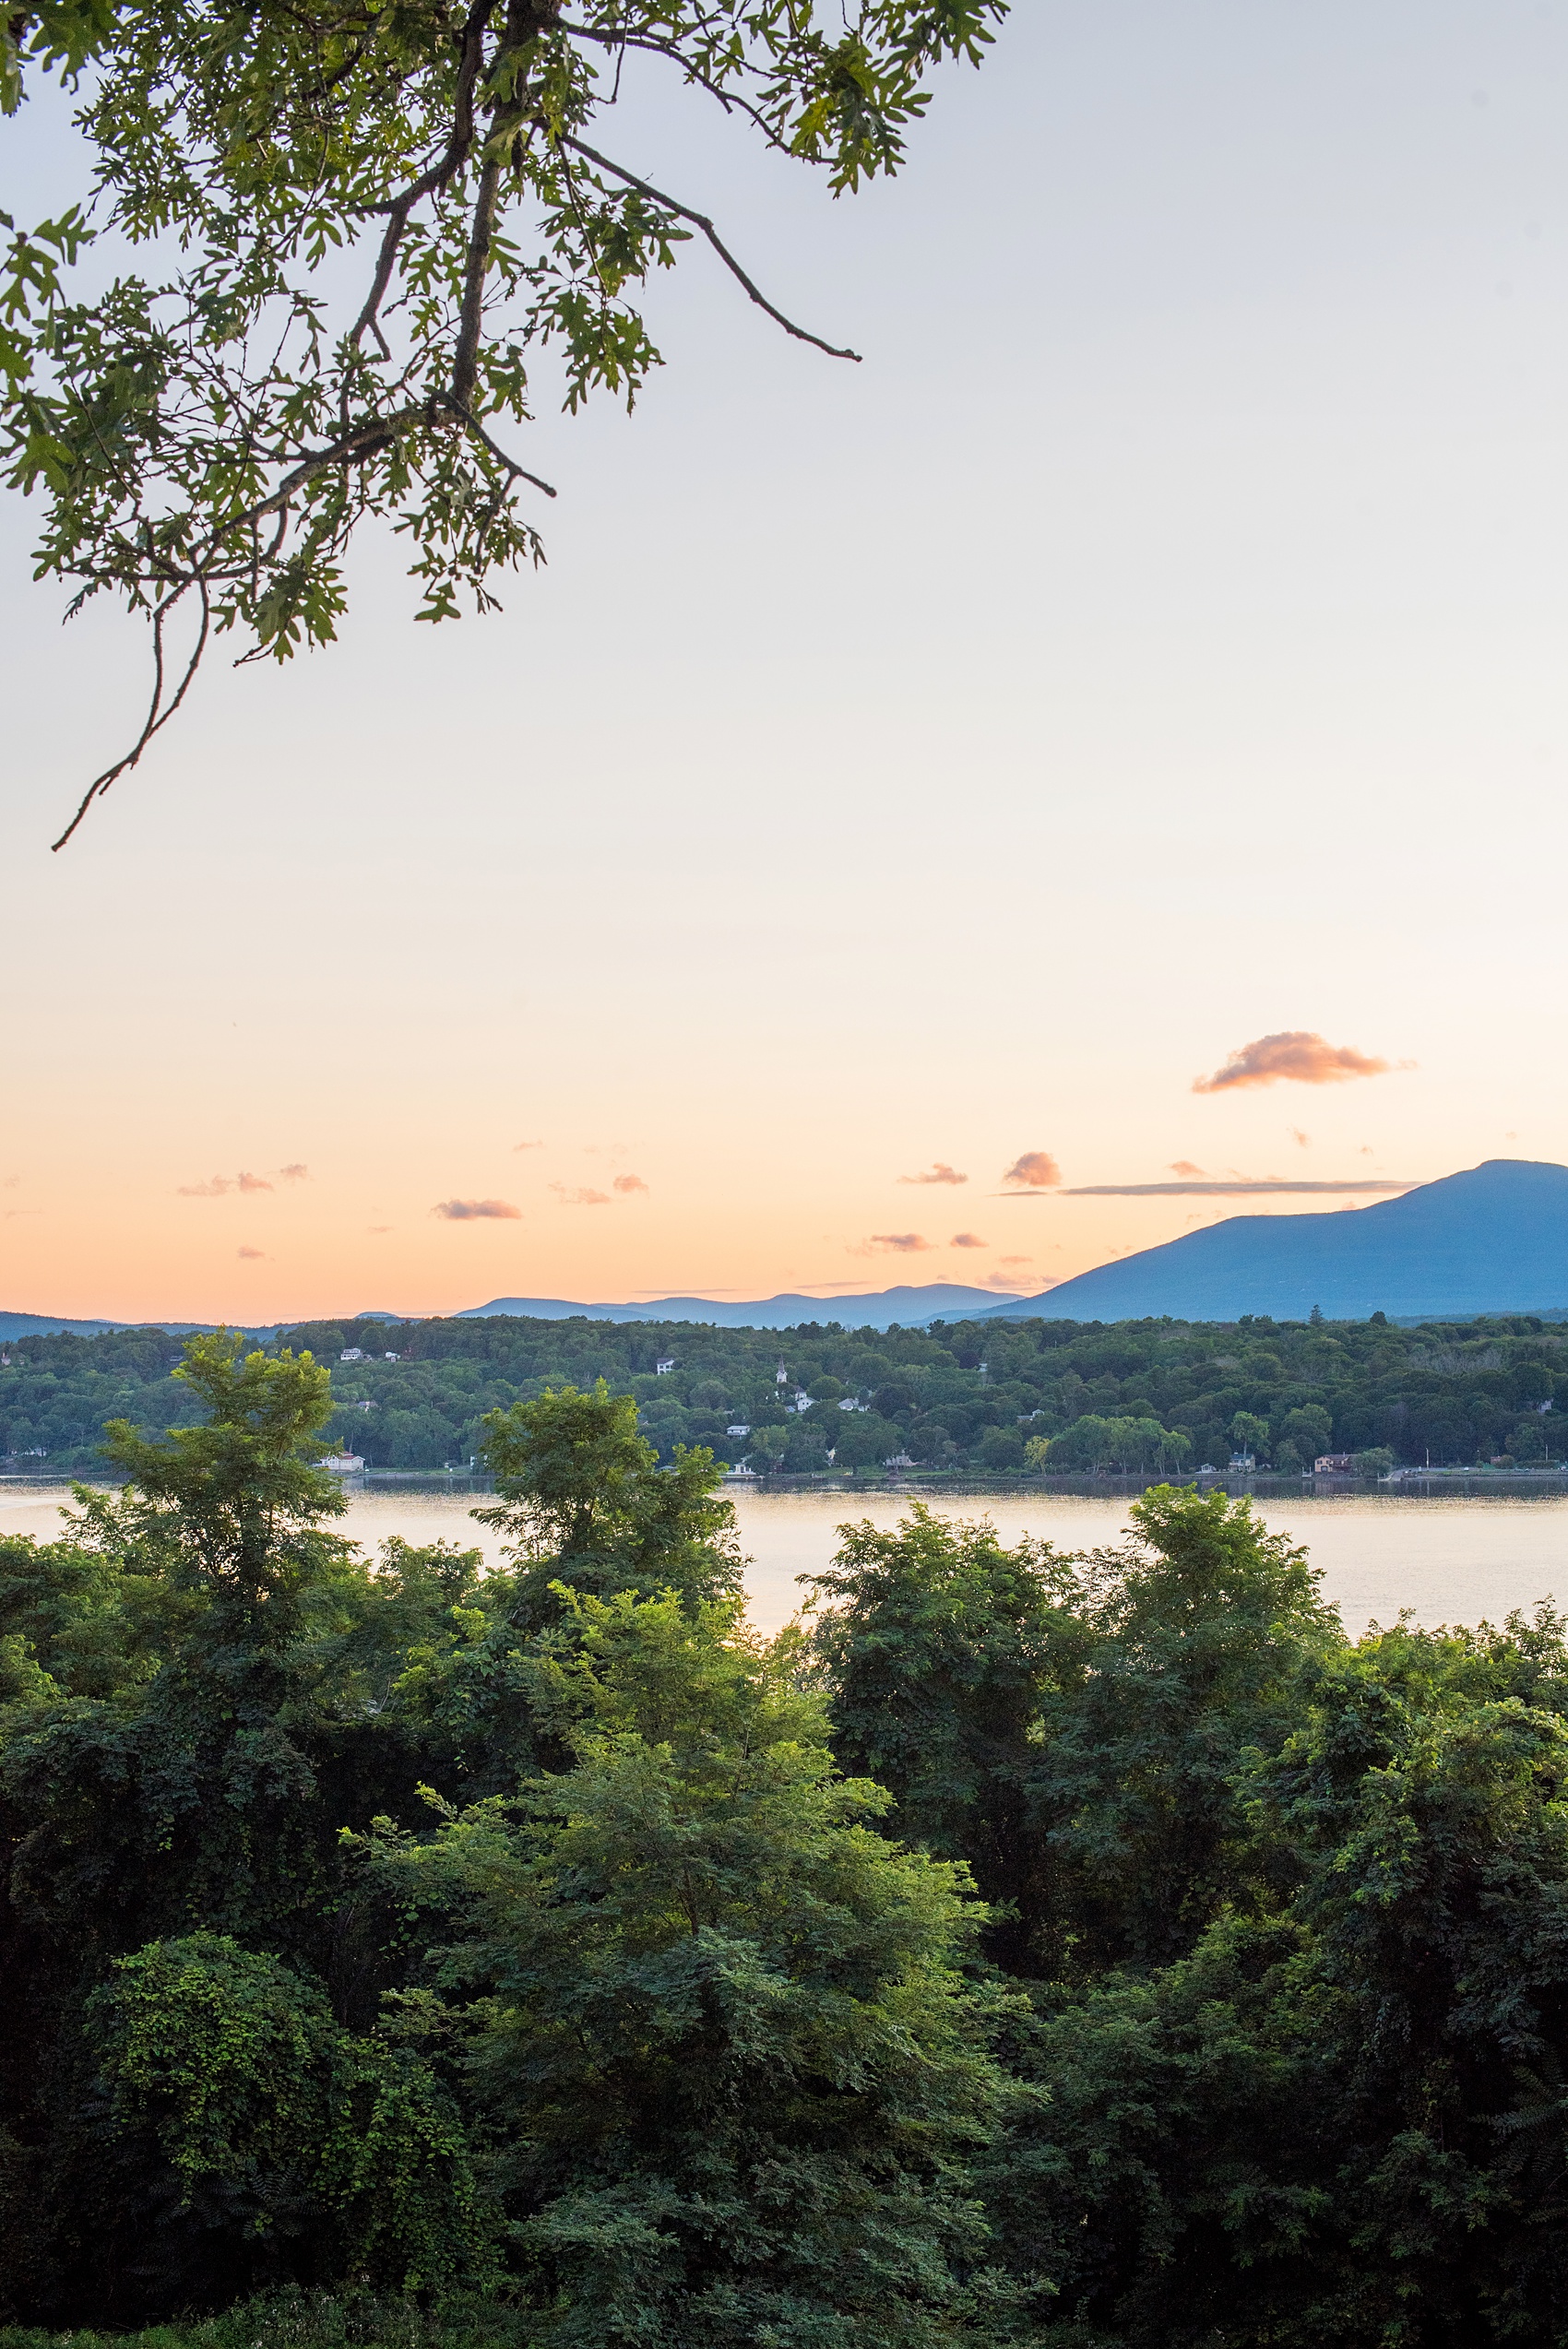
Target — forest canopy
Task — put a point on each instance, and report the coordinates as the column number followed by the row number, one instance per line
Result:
column 1019, row 1396
column 1089, row 1952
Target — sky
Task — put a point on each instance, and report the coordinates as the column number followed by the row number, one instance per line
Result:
column 1154, row 648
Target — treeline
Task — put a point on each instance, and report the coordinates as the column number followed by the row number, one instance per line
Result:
column 998, row 1398
column 1093, row 1953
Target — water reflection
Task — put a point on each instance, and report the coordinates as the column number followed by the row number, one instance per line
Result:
column 1447, row 1558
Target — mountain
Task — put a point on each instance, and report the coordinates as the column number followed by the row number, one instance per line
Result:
column 56, row 1325
column 909, row 1307
column 1492, row 1240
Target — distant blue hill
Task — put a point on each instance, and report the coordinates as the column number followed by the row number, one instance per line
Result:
column 56, row 1325
column 1493, row 1240
column 909, row 1307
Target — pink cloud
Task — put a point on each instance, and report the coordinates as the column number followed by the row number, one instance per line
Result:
column 627, row 1184
column 967, row 1239
column 582, row 1197
column 466, row 1211
column 1036, row 1170
column 1185, row 1167
column 1294, row 1056
column 296, row 1173
column 898, row 1243
column 938, row 1173
column 255, row 1254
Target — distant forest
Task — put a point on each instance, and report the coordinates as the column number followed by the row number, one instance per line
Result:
column 1027, row 1397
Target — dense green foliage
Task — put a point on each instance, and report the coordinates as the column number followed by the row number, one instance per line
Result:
column 996, row 1398
column 1097, row 1952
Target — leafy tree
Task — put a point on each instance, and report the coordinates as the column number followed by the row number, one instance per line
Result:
column 1310, row 1428
column 1249, row 1434
column 1200, row 1626
column 588, row 1506
column 297, row 2150
column 722, row 2037
column 940, row 1649
column 210, row 435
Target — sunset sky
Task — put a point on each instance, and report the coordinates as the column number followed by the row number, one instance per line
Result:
column 1120, row 725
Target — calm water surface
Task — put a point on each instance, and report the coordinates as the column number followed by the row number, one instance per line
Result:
column 1450, row 1561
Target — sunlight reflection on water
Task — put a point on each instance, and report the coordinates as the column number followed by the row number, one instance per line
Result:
column 1449, row 1559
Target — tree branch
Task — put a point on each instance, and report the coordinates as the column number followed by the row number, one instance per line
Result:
column 155, row 716
column 701, row 221
column 726, row 98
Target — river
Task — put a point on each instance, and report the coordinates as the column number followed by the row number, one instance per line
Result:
column 1449, row 1559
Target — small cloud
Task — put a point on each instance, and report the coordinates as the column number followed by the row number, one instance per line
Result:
column 937, row 1172
column 467, row 1211
column 10, row 1182
column 898, row 1243
column 378, row 1228
column 1294, row 1056
column 1009, row 1281
column 1367, row 1150
column 222, row 1184
column 1185, row 1167
column 253, row 1255
column 582, row 1197
column 296, row 1173
column 627, row 1184
column 527, row 1145
column 1297, row 1135
column 967, row 1239
column 1037, row 1170
column 1017, row 1260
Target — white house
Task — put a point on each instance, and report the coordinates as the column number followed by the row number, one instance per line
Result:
column 351, row 1354
column 343, row 1464
column 664, row 1365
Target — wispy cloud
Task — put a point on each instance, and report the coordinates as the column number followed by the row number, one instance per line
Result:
column 1036, row 1170
column 1237, row 1187
column 296, row 1173
column 1294, row 1056
column 220, row 1185
column 582, row 1197
column 629, row 1184
column 378, row 1228
column 1298, row 1136
column 1009, row 1281
column 1017, row 1260
column 1185, row 1167
column 968, row 1240
column 470, row 1211
column 527, row 1145
column 896, row 1243
column 254, row 1255
column 937, row 1172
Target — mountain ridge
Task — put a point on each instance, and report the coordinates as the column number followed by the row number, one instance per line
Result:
column 909, row 1306
column 1491, row 1238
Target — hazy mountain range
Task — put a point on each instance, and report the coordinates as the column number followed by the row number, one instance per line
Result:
column 1492, row 1240
column 910, row 1307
